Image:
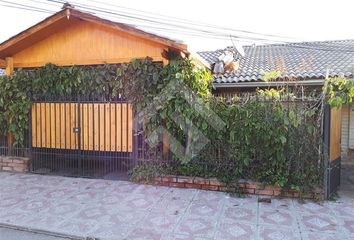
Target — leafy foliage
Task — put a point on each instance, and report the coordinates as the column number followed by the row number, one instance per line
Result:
column 340, row 91
column 146, row 89
column 267, row 141
column 14, row 107
column 146, row 172
column 271, row 76
column 263, row 138
column 17, row 91
column 140, row 81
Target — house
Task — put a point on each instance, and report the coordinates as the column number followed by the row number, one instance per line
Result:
column 304, row 65
column 75, row 38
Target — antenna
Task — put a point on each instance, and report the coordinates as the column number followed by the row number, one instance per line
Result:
column 238, row 47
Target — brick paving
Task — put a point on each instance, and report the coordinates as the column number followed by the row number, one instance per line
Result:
column 116, row 210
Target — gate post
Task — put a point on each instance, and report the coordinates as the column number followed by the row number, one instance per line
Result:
column 326, row 133
column 31, row 167
column 79, row 137
column 135, row 140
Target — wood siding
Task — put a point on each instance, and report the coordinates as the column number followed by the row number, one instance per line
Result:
column 87, row 43
column 103, row 126
column 335, row 134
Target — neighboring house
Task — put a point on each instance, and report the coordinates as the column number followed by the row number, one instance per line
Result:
column 304, row 64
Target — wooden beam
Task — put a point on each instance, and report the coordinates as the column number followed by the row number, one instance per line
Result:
column 165, row 61
column 2, row 63
column 9, row 66
column 85, row 62
column 165, row 142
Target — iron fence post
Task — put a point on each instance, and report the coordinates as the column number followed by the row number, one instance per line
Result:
column 79, row 136
column 30, row 139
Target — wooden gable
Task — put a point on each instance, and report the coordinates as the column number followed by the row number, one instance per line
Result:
column 85, row 43
column 74, row 38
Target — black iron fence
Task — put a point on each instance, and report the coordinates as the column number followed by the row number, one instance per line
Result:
column 100, row 137
column 268, row 139
column 6, row 149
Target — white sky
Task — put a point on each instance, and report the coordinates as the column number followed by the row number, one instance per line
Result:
column 301, row 20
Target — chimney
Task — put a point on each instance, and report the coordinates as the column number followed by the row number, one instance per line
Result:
column 67, row 5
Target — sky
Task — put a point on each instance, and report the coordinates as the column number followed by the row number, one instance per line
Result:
column 300, row 20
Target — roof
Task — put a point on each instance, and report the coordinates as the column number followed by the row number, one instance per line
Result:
column 59, row 20
column 295, row 61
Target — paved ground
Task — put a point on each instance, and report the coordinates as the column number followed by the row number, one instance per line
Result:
column 122, row 210
column 347, row 181
column 12, row 234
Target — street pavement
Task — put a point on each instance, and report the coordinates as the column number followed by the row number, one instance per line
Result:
column 114, row 210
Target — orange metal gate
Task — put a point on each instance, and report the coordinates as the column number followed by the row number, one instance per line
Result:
column 103, row 126
column 85, row 138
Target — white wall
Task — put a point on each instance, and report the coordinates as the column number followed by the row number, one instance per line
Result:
column 345, row 130
column 347, row 138
column 351, row 127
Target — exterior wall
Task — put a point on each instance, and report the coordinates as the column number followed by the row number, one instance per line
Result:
column 231, row 92
column 347, row 141
column 86, row 43
column 345, row 130
column 14, row 164
column 351, row 127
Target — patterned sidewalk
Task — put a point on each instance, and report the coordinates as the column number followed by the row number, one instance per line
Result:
column 116, row 210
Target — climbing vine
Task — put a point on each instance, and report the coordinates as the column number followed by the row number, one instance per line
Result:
column 14, row 107
column 340, row 91
column 262, row 139
column 107, row 81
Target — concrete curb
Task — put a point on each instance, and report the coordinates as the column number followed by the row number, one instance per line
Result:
column 43, row 232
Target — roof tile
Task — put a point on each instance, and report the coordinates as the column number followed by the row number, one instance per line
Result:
column 307, row 60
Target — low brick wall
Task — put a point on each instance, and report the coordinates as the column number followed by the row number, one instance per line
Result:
column 14, row 164
column 243, row 186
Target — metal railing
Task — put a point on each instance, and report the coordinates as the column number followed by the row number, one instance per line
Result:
column 22, row 150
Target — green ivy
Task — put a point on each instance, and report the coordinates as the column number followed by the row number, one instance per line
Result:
column 140, row 81
column 14, row 104
column 340, row 91
column 263, row 138
column 18, row 91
